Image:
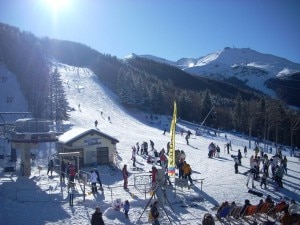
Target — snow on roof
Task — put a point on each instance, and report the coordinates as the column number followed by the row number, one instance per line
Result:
column 78, row 132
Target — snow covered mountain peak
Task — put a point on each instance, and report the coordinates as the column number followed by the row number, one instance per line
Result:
column 249, row 66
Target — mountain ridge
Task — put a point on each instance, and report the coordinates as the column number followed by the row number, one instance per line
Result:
column 249, row 66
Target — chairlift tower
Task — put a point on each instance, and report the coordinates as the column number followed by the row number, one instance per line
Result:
column 26, row 133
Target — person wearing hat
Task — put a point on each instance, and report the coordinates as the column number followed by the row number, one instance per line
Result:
column 97, row 217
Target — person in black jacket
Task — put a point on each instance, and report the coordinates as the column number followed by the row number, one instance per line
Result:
column 50, row 167
column 239, row 157
column 97, row 217
column 247, row 203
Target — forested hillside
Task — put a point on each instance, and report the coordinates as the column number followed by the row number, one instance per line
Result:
column 143, row 84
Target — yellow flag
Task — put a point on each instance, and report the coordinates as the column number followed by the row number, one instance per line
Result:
column 171, row 160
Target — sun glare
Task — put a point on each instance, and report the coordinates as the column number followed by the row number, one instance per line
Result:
column 57, row 5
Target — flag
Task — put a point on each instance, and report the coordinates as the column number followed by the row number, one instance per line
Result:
column 171, row 160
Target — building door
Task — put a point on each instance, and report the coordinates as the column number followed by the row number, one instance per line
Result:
column 102, row 155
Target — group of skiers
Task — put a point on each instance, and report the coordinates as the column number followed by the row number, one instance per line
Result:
column 277, row 163
column 96, row 121
column 213, row 150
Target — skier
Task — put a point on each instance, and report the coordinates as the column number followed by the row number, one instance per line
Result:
column 256, row 150
column 93, row 180
column 236, row 165
column 187, row 171
column 187, row 139
column 125, row 176
column 96, row 123
column 189, row 133
column 163, row 160
column 179, row 166
column 63, row 171
column 211, row 149
column 263, row 180
column 240, row 157
column 228, row 146
column 137, row 148
column 126, row 208
column 145, row 148
column 218, row 151
column 71, row 172
column 252, row 171
column 154, row 172
column 152, row 145
column 50, row 167
column 142, row 148
column 245, row 151
column 133, row 157
column 284, row 164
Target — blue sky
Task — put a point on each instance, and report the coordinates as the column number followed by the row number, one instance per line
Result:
column 170, row 29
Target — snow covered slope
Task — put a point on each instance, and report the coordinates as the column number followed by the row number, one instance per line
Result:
column 42, row 199
column 11, row 97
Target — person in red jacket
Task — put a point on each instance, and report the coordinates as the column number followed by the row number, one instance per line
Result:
column 153, row 176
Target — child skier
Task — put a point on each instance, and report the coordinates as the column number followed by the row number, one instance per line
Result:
column 126, row 208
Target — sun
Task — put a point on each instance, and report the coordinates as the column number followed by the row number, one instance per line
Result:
column 57, row 5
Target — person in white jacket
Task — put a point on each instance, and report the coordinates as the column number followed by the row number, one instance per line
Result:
column 93, row 180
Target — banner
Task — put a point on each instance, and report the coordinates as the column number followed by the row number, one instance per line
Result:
column 171, row 160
